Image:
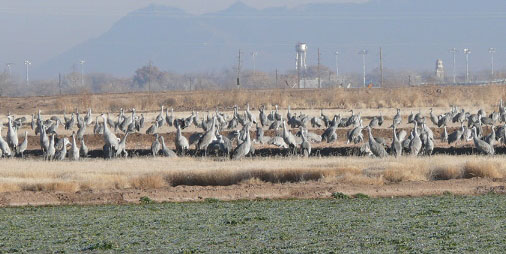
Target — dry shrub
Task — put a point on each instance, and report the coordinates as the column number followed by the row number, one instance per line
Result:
column 207, row 178
column 148, row 182
column 54, row 186
column 360, row 179
column 291, row 175
column 9, row 187
column 484, row 169
column 252, row 181
column 396, row 175
column 228, row 177
column 446, row 172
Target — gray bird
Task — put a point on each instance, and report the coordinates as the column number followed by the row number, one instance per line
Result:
column 22, row 147
column 166, row 151
column 244, row 148
column 377, row 149
column 396, row 147
column 416, row 143
column 305, row 146
column 482, row 146
column 155, row 146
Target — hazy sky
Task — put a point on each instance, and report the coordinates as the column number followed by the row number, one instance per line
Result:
column 38, row 30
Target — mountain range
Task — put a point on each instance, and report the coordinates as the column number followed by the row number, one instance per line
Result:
column 412, row 34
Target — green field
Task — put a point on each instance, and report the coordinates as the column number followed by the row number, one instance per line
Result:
column 361, row 225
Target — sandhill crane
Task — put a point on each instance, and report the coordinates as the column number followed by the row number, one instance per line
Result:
column 305, row 146
column 416, row 143
column 355, row 134
column 44, row 139
column 396, row 147
column 69, row 124
column 444, row 135
column 456, row 135
column 169, row 118
column 486, row 120
column 33, row 123
column 289, row 138
column 22, row 147
column 12, row 135
column 244, row 148
column 74, row 151
column 6, row 150
column 260, row 135
column 141, row 123
column 490, row 139
column 482, row 112
column 377, row 149
column 397, row 118
column 51, row 150
column 482, row 146
column 80, row 132
column 330, row 134
column 262, row 116
column 374, row 123
column 219, row 146
column 153, row 129
column 433, row 118
column 250, row 116
column 155, row 146
column 166, row 151
column 83, row 150
column 110, row 138
column 160, row 118
column 122, row 146
column 123, row 126
column 467, row 135
column 207, row 138
column 411, row 118
column 459, row 117
column 181, row 142
column 60, row 154
column 98, row 128
column 111, row 123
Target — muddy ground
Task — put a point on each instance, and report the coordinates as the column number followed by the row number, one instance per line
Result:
column 252, row 191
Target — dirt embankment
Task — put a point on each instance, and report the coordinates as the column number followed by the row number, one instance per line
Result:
column 253, row 190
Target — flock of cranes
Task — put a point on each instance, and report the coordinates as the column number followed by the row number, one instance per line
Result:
column 238, row 143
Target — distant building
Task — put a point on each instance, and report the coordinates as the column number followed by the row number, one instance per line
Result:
column 440, row 72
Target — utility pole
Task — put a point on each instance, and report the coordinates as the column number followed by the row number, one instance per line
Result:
column 319, row 76
column 492, row 52
column 337, row 66
column 467, row 52
column 239, row 69
column 149, row 77
column 363, row 53
column 276, row 77
column 454, row 52
column 381, row 66
column 59, row 81
column 82, row 71
column 254, row 55
column 9, row 71
column 27, row 63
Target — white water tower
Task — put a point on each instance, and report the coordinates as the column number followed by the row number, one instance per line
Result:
column 300, row 58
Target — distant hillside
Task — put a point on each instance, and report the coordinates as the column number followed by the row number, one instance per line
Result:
column 413, row 34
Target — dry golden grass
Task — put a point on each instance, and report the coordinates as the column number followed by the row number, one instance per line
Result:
column 32, row 175
column 335, row 98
